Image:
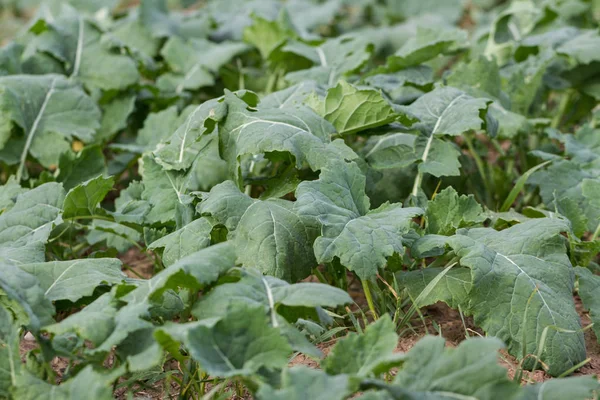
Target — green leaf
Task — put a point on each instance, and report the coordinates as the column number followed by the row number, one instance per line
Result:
column 87, row 383
column 195, row 270
column 470, row 370
column 268, row 292
column 226, row 204
column 352, row 110
column 583, row 48
column 333, row 58
column 50, row 110
column 270, row 236
column 82, row 200
column 10, row 360
column 74, row 279
column 395, row 150
column 589, row 287
column 362, row 239
column 441, row 159
column 25, row 291
column 114, row 116
column 453, row 289
column 164, row 190
column 187, row 240
column 523, row 286
column 181, row 149
column 25, row 228
column 447, row 111
column 298, row 131
column 239, row 344
column 94, row 323
column 367, row 354
column 304, row 383
column 194, row 62
column 575, row 388
column 75, row 168
column 425, row 45
column 448, row 211
column 78, row 44
column 9, row 193
column 564, row 180
column 161, row 22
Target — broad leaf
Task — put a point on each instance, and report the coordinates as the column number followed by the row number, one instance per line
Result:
column 50, row 110
column 304, row 383
column 351, row 109
column 470, row 370
column 239, row 344
column 367, row 354
column 25, row 228
column 453, row 289
column 82, row 200
column 194, row 62
column 25, row 291
column 181, row 149
column 270, row 236
column 523, row 286
column 362, row 239
column 74, row 279
column 187, row 240
column 448, row 211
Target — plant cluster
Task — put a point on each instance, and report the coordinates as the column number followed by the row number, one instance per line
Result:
column 432, row 151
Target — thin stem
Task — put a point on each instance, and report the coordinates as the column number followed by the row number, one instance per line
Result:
column 419, row 177
column 367, row 290
column 479, row 164
column 562, row 108
column 596, row 233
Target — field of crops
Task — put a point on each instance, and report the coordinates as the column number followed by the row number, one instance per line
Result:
column 301, row 199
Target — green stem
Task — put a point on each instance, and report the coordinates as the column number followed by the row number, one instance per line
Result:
column 367, row 290
column 419, row 177
column 320, row 276
column 562, row 108
column 596, row 233
column 480, row 166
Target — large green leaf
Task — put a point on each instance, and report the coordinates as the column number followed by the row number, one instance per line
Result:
column 425, row 45
column 453, row 288
column 25, row 228
column 87, row 384
column 239, row 344
column 270, row 293
column 187, row 240
column 589, row 287
column 469, row 371
column 575, row 388
column 194, row 62
column 50, row 110
column 362, row 239
column 195, row 270
column 367, row 354
column 10, row 361
column 448, row 211
column 74, row 279
column 272, row 237
column 78, row 44
column 25, row 291
column 298, row 131
column 351, row 109
column 94, row 323
column 522, row 284
column 82, row 200
column 180, row 149
column 302, row 383
column 226, row 204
